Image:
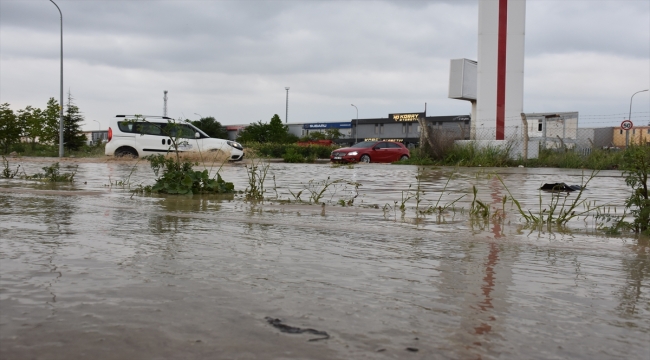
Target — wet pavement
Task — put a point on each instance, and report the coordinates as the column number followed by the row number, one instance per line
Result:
column 89, row 270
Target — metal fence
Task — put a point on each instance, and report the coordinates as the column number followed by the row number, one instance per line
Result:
column 526, row 143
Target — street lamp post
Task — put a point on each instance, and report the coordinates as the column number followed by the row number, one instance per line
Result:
column 61, row 104
column 286, row 114
column 200, row 117
column 99, row 125
column 356, row 125
column 629, row 117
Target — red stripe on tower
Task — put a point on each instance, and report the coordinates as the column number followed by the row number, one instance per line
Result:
column 501, row 69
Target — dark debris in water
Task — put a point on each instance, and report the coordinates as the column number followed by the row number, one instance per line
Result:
column 561, row 187
column 277, row 323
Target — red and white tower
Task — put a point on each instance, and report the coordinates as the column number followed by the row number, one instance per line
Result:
column 500, row 70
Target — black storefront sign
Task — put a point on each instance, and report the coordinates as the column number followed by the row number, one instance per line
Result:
column 406, row 117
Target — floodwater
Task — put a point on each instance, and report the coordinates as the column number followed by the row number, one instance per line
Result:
column 89, row 270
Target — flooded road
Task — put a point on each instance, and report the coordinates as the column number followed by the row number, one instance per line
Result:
column 89, row 271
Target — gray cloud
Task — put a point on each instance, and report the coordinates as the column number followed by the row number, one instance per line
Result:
column 232, row 59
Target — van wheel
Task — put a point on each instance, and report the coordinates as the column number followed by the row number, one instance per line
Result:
column 122, row 152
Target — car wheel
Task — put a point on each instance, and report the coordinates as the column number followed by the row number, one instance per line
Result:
column 126, row 152
column 404, row 157
column 365, row 159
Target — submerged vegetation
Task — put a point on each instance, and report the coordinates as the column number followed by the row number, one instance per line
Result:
column 556, row 211
column 178, row 177
column 7, row 173
column 50, row 173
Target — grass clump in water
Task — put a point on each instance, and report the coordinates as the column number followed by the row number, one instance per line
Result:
column 52, row 174
column 257, row 172
column 179, row 177
column 6, row 172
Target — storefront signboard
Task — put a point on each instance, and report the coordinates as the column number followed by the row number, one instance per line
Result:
column 406, row 117
column 332, row 125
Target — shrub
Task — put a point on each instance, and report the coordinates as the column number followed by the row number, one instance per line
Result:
column 418, row 157
column 178, row 177
column 275, row 150
column 472, row 155
column 292, row 157
column 636, row 168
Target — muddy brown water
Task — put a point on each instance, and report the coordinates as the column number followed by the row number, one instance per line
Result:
column 89, row 271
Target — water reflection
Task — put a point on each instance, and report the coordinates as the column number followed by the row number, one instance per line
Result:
column 637, row 269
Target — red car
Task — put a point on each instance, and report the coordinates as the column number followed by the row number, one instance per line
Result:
column 371, row 151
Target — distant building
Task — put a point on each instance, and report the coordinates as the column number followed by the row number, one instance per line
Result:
column 304, row 129
column 402, row 127
column 405, row 128
column 594, row 138
column 92, row 137
column 233, row 131
column 637, row 135
column 553, row 129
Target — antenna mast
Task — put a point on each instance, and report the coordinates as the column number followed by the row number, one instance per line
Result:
column 165, row 103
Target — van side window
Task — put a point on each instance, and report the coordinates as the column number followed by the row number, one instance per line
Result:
column 150, row 129
column 124, row 126
column 145, row 128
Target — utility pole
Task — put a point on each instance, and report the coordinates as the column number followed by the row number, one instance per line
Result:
column 286, row 114
column 356, row 125
column 60, row 104
column 629, row 117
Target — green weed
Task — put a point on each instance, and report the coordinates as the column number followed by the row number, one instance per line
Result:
column 6, row 172
column 257, row 172
column 52, row 174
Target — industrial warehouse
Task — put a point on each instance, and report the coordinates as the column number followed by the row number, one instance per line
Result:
column 402, row 128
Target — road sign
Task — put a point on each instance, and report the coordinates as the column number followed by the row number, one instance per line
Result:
column 626, row 125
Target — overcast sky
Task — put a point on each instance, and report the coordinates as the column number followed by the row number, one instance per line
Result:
column 233, row 59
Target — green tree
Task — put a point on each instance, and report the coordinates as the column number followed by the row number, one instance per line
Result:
column 50, row 134
column 10, row 128
column 255, row 132
column 313, row 135
column 273, row 132
column 212, row 127
column 333, row 134
column 32, row 121
column 277, row 130
column 73, row 137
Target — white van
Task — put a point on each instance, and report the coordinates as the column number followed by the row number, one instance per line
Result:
column 149, row 135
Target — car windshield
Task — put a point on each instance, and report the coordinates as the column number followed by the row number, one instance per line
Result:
column 364, row 144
